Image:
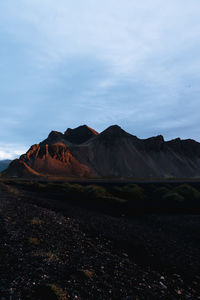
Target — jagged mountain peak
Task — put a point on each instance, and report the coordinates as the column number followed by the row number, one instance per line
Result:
column 54, row 133
column 114, row 130
column 155, row 143
column 160, row 138
column 54, row 137
column 114, row 152
column 80, row 134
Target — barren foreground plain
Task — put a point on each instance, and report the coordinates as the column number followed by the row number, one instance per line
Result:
column 86, row 240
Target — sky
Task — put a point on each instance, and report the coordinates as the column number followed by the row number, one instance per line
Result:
column 100, row 63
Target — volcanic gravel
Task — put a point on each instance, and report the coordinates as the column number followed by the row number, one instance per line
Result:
column 90, row 255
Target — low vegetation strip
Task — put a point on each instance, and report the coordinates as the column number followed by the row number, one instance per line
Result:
column 128, row 199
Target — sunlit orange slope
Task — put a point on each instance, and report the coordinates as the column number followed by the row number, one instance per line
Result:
column 82, row 152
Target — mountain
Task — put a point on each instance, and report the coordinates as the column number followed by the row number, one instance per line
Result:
column 77, row 136
column 83, row 152
column 4, row 164
column 80, row 134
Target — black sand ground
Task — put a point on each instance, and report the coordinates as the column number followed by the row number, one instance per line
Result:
column 90, row 255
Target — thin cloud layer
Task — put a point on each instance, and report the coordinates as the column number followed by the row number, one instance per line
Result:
column 11, row 151
column 126, row 62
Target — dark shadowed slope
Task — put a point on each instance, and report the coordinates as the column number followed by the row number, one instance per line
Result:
column 80, row 134
column 82, row 152
column 114, row 152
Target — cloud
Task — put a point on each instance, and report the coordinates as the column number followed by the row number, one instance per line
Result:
column 11, row 151
column 127, row 62
column 123, row 33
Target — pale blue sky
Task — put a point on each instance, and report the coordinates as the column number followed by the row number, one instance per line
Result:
column 66, row 63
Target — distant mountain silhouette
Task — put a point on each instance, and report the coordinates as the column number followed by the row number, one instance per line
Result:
column 4, row 164
column 82, row 152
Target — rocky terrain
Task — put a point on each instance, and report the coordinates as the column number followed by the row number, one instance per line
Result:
column 82, row 152
column 52, row 249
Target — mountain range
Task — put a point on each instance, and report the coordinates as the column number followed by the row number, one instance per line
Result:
column 83, row 152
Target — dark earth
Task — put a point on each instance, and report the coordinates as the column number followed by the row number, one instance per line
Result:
column 85, row 254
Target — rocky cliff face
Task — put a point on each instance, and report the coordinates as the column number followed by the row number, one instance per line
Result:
column 48, row 159
column 82, row 152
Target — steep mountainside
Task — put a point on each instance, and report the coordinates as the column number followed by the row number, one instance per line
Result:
column 80, row 134
column 54, row 159
column 82, row 152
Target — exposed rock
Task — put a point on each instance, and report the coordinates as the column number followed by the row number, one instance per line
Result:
column 55, row 137
column 55, row 159
column 18, row 168
column 82, row 152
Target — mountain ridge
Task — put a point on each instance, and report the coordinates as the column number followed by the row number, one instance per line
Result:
column 83, row 152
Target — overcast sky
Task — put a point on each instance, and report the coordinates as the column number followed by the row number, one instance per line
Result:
column 126, row 62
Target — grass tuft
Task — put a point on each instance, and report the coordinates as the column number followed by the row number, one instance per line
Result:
column 51, row 292
column 33, row 241
column 36, row 221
